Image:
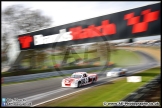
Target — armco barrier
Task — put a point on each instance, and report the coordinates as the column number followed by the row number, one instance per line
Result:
column 140, row 93
column 44, row 75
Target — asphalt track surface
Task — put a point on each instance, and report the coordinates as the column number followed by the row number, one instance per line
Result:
column 42, row 91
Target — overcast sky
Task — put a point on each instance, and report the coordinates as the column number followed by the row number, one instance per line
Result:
column 67, row 12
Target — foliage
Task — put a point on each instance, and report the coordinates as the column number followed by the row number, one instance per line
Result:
column 18, row 19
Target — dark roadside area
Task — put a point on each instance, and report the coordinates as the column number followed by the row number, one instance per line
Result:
column 154, row 95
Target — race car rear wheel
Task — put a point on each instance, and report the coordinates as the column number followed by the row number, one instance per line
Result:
column 93, row 80
column 79, row 84
column 126, row 74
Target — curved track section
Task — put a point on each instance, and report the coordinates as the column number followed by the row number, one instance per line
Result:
column 42, row 91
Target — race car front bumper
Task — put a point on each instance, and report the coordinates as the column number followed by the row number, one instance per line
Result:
column 69, row 85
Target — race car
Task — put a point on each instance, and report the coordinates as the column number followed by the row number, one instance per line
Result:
column 117, row 72
column 79, row 79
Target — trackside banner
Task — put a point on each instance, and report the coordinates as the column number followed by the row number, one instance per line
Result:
column 138, row 22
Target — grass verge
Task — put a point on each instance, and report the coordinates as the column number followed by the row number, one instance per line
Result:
column 154, row 52
column 120, row 58
column 125, row 58
column 110, row 92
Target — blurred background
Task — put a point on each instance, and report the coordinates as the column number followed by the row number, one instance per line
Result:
column 24, row 17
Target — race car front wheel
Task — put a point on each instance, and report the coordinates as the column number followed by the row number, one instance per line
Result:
column 79, row 84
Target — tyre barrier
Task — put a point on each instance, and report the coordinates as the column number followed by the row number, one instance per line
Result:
column 143, row 91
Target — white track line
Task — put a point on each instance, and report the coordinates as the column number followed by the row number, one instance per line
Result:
column 138, row 71
column 43, row 95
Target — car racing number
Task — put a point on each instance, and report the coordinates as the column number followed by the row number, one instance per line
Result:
column 84, row 80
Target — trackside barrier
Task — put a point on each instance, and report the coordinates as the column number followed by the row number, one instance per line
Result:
column 143, row 91
column 44, row 75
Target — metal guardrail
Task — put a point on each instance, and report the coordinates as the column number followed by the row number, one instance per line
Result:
column 44, row 75
column 143, row 91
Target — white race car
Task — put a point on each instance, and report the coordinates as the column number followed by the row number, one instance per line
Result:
column 79, row 79
column 116, row 72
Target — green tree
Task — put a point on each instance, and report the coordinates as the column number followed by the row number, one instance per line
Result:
column 21, row 19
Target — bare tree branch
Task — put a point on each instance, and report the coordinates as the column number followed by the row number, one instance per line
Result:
column 18, row 19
